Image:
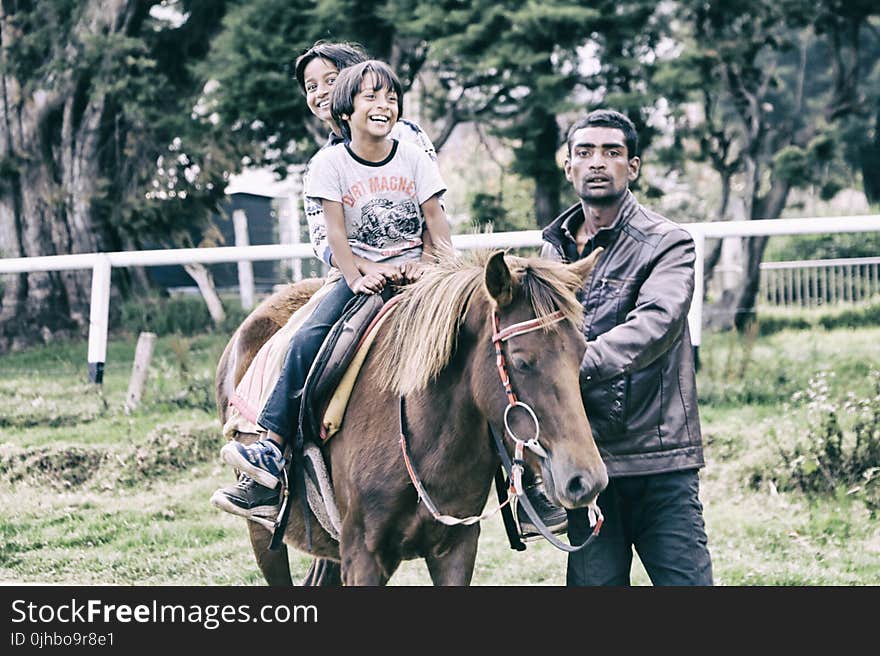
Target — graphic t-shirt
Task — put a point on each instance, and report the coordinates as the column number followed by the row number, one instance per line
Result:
column 404, row 131
column 380, row 200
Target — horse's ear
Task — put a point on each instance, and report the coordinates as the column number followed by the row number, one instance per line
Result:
column 583, row 268
column 498, row 279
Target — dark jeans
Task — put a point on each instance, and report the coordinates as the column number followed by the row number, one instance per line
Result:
column 281, row 412
column 661, row 516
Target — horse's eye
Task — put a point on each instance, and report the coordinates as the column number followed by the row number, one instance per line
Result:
column 522, row 365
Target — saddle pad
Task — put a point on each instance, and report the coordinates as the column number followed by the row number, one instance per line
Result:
column 252, row 392
column 336, row 406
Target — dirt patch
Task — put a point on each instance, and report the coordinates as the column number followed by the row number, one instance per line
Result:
column 67, row 467
column 168, row 449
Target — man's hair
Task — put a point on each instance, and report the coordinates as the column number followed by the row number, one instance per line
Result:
column 608, row 118
column 348, row 85
column 341, row 55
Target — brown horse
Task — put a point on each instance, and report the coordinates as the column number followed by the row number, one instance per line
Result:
column 436, row 351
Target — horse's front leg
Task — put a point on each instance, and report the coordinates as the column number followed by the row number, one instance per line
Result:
column 456, row 566
column 274, row 565
column 360, row 566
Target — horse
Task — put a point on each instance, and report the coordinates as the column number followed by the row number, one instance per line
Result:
column 437, row 352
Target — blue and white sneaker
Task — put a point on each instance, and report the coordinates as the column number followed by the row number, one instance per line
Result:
column 262, row 460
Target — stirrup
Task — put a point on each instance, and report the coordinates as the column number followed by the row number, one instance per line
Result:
column 284, row 497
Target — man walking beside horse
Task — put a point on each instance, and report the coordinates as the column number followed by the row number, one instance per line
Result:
column 637, row 375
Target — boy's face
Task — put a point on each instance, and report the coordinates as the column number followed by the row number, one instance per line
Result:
column 375, row 111
column 319, row 76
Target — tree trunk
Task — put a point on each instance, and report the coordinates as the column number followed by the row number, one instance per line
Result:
column 710, row 261
column 202, row 275
column 737, row 308
column 544, row 170
column 51, row 139
column 869, row 155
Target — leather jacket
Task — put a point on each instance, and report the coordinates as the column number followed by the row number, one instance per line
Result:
column 638, row 380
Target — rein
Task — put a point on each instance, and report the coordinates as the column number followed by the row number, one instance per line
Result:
column 515, row 468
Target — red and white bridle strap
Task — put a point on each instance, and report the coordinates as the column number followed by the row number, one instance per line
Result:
column 524, row 327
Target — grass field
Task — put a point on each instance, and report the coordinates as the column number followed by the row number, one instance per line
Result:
column 91, row 495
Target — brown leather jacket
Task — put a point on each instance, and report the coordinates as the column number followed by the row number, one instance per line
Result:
column 638, row 380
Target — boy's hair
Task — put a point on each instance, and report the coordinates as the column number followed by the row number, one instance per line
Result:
column 341, row 55
column 608, row 118
column 348, row 85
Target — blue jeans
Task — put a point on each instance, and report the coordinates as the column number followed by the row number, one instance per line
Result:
column 281, row 412
column 661, row 516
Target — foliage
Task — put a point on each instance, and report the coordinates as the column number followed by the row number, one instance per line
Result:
column 840, row 448
column 852, row 318
column 517, row 68
column 822, row 247
column 487, row 211
column 774, row 320
column 164, row 316
column 174, row 315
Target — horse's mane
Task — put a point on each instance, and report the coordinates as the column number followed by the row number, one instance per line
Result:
column 424, row 326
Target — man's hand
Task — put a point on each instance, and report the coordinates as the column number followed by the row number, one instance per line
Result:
column 585, row 379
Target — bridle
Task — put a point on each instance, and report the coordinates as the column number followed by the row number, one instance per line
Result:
column 516, row 467
column 498, row 338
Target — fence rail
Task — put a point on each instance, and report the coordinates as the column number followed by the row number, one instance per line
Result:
column 102, row 263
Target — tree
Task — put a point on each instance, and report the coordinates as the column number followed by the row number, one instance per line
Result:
column 93, row 92
column 757, row 70
column 851, row 34
column 515, row 67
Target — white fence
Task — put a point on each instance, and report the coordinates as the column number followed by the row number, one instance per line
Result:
column 820, row 282
column 102, row 263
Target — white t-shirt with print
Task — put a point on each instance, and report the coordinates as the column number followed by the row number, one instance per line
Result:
column 403, row 130
column 380, row 200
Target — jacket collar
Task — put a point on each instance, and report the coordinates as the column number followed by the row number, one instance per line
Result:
column 561, row 232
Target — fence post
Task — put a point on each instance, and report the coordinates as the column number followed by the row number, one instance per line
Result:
column 695, row 314
column 245, row 267
column 143, row 353
column 99, row 311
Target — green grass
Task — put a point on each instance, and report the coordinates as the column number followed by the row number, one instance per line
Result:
column 92, row 495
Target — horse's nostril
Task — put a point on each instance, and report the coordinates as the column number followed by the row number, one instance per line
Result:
column 575, row 487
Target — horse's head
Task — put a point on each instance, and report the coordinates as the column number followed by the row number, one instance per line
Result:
column 541, row 344
column 443, row 331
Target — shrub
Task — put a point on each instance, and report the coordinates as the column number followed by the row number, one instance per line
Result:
column 768, row 325
column 841, row 447
column 852, row 318
column 165, row 316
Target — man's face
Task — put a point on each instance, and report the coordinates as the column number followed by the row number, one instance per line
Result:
column 598, row 165
column 319, row 76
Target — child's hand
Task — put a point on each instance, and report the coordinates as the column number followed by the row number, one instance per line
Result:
column 370, row 283
column 412, row 271
column 391, row 272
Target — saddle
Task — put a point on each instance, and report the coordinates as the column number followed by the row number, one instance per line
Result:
column 324, row 398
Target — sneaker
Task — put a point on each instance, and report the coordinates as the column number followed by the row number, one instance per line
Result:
column 262, row 460
column 247, row 498
column 554, row 517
